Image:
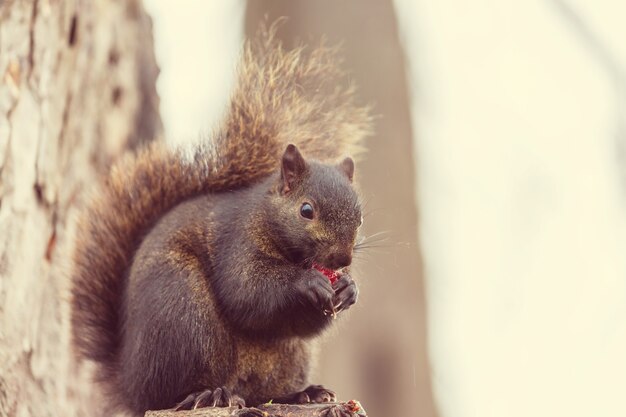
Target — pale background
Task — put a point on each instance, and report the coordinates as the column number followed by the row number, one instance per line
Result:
column 516, row 111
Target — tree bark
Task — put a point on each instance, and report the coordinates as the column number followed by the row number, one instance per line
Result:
column 77, row 90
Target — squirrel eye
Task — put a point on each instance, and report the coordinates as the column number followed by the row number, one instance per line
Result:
column 306, row 211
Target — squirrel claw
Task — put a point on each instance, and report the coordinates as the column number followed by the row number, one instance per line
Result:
column 220, row 397
column 346, row 293
column 332, row 313
column 187, row 403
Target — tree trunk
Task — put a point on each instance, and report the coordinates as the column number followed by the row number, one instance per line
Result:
column 77, row 90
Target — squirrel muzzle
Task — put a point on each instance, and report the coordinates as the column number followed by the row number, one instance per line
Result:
column 337, row 258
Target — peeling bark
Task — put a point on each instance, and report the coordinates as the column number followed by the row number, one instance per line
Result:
column 76, row 91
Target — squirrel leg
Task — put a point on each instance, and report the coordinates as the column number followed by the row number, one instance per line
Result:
column 219, row 397
column 312, row 394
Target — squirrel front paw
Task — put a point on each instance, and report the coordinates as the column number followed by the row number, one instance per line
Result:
column 316, row 289
column 219, row 397
column 346, row 293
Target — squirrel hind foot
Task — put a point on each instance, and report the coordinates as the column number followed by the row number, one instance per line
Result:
column 219, row 397
column 312, row 394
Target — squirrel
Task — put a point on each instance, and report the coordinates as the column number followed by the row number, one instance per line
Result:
column 200, row 280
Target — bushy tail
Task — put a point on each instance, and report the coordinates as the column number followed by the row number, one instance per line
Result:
column 281, row 97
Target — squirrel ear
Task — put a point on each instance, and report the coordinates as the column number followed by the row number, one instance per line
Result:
column 292, row 167
column 347, row 167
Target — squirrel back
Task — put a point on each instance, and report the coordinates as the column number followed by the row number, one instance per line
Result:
column 281, row 97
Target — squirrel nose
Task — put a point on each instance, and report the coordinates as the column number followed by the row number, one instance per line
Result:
column 339, row 260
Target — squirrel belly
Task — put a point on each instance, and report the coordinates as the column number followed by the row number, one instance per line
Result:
column 194, row 277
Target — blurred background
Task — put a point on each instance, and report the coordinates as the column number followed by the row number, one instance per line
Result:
column 503, row 125
column 495, row 185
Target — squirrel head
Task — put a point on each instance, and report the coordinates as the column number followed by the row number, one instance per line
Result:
column 315, row 211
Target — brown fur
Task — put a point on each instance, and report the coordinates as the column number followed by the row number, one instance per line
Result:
column 281, row 97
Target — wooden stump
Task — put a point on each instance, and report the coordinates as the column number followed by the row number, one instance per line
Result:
column 272, row 410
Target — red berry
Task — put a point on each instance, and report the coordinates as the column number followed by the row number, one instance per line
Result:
column 332, row 276
column 353, row 406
